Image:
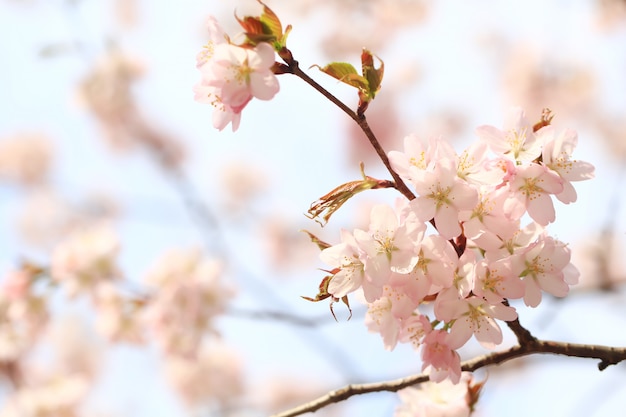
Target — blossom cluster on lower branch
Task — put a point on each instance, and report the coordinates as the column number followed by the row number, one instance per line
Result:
column 477, row 254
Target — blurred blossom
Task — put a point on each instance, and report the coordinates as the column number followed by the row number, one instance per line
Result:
column 534, row 80
column 285, row 244
column 214, row 377
column 85, row 258
column 107, row 92
column 45, row 217
column 612, row 129
column 241, row 184
column 188, row 294
column 25, row 158
column 22, row 314
column 57, row 397
column 117, row 316
column 611, row 13
column 372, row 23
column 75, row 348
column 282, row 392
column 601, row 261
column 126, row 13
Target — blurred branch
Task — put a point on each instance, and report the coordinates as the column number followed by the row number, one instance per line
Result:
column 607, row 356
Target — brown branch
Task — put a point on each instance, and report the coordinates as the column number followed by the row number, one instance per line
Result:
column 294, row 68
column 606, row 355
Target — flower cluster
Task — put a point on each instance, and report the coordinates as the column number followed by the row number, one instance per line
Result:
column 232, row 75
column 480, row 254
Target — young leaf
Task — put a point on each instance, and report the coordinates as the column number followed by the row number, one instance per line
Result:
column 345, row 73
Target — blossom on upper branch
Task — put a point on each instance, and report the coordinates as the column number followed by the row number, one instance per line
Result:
column 233, row 75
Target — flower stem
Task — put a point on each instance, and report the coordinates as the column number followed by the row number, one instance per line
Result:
column 360, row 119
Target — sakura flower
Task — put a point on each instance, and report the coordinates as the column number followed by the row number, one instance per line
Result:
column 380, row 319
column 556, row 155
column 545, row 265
column 435, row 399
column 232, row 75
column 437, row 261
column 516, row 141
column 346, row 257
column 440, row 358
column 413, row 330
column 388, row 246
column 530, row 191
column 476, row 316
column 441, row 195
column 496, row 281
column 486, row 224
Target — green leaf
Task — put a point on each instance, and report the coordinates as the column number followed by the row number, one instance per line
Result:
column 271, row 22
column 373, row 75
column 345, row 73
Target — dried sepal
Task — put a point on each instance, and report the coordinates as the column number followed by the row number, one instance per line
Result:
column 320, row 243
column 546, row 119
column 324, row 294
column 329, row 203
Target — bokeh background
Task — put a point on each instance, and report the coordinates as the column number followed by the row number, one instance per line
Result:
column 98, row 127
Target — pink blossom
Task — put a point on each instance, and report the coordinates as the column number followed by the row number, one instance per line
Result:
column 556, row 155
column 516, row 141
column 388, row 245
column 380, row 319
column 439, row 358
column 435, row 399
column 545, row 265
column 413, row 329
column 347, row 257
column 530, row 191
column 441, row 195
column 475, row 316
column 232, row 75
column 486, row 224
column 496, row 281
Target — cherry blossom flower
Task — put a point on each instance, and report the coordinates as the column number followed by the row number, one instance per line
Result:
column 388, row 246
column 516, row 141
column 441, row 195
column 413, row 330
column 556, row 155
column 232, row 75
column 545, row 265
column 486, row 224
column 530, row 191
column 435, row 399
column 380, row 319
column 474, row 315
column 496, row 281
column 439, row 358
